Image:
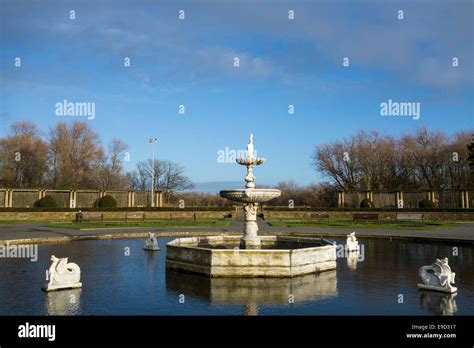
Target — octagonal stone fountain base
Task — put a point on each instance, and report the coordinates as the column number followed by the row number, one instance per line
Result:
column 220, row 256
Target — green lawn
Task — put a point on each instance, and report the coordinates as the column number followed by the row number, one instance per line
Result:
column 325, row 223
column 8, row 222
column 146, row 223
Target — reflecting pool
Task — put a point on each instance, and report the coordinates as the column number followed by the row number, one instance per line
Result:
column 120, row 278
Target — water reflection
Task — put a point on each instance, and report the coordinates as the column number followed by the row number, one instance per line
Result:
column 352, row 259
column 64, row 302
column 251, row 309
column 439, row 303
column 252, row 292
column 139, row 285
column 151, row 259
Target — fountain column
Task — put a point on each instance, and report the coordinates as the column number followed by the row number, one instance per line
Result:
column 250, row 240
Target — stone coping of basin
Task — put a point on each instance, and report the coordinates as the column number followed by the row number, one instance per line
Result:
column 184, row 254
column 227, row 239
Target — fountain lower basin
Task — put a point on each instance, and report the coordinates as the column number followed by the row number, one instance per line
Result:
column 254, row 195
column 220, row 256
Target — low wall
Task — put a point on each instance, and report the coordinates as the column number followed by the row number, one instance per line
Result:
column 383, row 215
column 218, row 214
column 112, row 215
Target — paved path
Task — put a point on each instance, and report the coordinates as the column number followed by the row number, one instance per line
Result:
column 41, row 232
column 459, row 232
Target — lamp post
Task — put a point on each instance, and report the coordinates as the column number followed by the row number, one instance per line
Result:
column 153, row 141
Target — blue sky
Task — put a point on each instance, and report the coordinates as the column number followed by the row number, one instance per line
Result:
column 282, row 62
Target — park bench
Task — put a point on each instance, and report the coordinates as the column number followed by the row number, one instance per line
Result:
column 365, row 216
column 319, row 216
column 409, row 216
column 134, row 217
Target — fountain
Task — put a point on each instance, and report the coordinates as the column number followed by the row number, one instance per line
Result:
column 251, row 197
column 251, row 255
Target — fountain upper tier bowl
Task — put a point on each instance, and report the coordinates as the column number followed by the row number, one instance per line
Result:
column 252, row 195
column 250, row 161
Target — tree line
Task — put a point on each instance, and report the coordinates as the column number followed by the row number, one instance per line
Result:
column 72, row 156
column 422, row 160
column 292, row 195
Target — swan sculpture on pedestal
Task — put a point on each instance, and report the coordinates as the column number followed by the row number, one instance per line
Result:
column 351, row 242
column 151, row 242
column 437, row 277
column 62, row 275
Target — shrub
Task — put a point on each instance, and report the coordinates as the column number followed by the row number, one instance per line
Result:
column 106, row 202
column 426, row 203
column 46, row 202
column 366, row 203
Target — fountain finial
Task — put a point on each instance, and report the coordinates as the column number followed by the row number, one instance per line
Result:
column 250, row 149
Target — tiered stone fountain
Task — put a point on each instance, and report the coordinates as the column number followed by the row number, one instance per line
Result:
column 251, row 255
column 251, row 197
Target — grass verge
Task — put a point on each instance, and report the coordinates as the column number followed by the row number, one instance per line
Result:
column 347, row 223
column 146, row 223
column 8, row 222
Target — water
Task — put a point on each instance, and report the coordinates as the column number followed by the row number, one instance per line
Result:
column 265, row 245
column 138, row 284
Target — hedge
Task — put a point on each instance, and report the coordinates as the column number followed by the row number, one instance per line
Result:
column 106, row 202
column 366, row 204
column 47, row 202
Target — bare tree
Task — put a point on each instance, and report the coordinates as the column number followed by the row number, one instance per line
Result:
column 457, row 167
column 425, row 155
column 169, row 177
column 290, row 191
column 172, row 179
column 23, row 157
column 336, row 161
column 369, row 161
column 470, row 160
column 75, row 156
column 109, row 172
